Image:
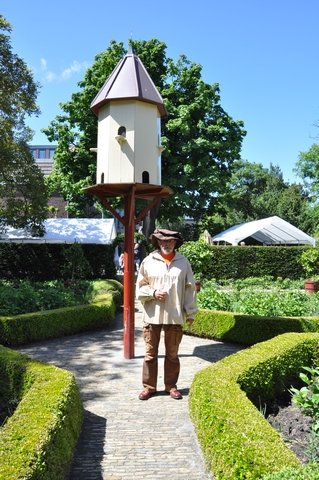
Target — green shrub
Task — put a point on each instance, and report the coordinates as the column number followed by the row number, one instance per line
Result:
column 37, row 441
column 99, row 287
column 309, row 260
column 309, row 472
column 199, row 255
column 30, row 327
column 23, row 296
column 237, row 441
column 307, row 397
column 261, row 296
column 247, row 329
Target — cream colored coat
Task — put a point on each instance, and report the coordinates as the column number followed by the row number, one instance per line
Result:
column 176, row 279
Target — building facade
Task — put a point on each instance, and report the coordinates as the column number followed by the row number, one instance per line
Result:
column 44, row 158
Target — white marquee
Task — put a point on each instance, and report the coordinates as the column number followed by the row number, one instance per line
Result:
column 67, row 230
column 268, row 231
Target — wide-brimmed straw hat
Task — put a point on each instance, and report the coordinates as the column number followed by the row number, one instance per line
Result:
column 162, row 234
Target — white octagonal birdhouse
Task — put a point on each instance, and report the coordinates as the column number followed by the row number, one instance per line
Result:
column 129, row 110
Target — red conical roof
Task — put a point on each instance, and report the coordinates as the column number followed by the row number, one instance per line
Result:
column 129, row 80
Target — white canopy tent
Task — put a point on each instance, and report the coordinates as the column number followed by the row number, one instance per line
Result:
column 268, row 231
column 67, row 230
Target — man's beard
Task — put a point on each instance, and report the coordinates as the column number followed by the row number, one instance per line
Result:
column 166, row 250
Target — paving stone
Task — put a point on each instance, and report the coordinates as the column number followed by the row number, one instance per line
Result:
column 124, row 438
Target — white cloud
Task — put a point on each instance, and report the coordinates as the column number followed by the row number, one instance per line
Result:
column 75, row 67
column 43, row 64
column 50, row 76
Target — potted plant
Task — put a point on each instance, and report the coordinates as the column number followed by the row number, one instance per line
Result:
column 309, row 260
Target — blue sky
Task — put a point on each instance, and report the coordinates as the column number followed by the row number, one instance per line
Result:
column 263, row 54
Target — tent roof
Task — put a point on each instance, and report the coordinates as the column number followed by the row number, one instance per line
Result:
column 67, row 230
column 268, row 231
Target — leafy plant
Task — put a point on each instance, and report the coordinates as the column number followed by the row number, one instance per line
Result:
column 307, row 397
column 199, row 256
column 309, row 260
column 24, row 296
column 76, row 266
column 263, row 297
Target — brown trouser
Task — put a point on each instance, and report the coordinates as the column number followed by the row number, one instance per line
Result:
column 172, row 336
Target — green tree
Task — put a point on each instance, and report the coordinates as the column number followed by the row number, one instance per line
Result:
column 254, row 192
column 201, row 140
column 295, row 205
column 307, row 167
column 22, row 187
column 253, row 189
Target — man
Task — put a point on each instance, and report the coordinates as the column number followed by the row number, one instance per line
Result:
column 166, row 287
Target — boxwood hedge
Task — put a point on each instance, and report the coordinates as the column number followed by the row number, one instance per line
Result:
column 37, row 440
column 237, row 441
column 104, row 298
column 40, row 405
column 247, row 329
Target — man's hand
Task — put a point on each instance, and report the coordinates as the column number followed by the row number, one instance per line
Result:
column 160, row 295
column 190, row 321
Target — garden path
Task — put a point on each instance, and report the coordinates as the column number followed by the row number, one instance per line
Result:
column 124, row 438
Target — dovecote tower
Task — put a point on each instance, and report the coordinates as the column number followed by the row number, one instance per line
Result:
column 129, row 110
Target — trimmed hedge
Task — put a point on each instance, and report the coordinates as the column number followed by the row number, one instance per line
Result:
column 31, row 327
column 247, row 329
column 38, row 440
column 47, row 261
column 221, row 262
column 100, row 287
column 41, row 403
column 105, row 297
column 237, row 441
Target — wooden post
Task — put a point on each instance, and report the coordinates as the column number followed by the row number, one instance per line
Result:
column 129, row 274
column 153, row 194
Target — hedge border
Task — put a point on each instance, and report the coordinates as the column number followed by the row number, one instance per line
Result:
column 237, row 441
column 38, row 440
column 105, row 297
column 247, row 329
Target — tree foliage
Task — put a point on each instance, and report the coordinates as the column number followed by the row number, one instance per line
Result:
column 22, row 188
column 201, row 141
column 254, row 192
column 307, row 167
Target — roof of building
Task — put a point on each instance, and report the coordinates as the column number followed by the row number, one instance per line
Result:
column 67, row 230
column 268, row 231
column 129, row 80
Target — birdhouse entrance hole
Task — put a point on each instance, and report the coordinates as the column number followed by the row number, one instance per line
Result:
column 145, row 177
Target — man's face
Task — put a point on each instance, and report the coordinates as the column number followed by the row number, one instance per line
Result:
column 167, row 246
